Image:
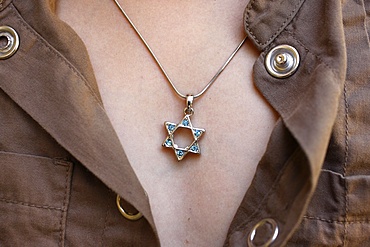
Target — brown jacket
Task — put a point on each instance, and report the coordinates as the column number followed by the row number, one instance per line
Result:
column 61, row 163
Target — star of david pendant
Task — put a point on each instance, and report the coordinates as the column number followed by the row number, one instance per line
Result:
column 185, row 123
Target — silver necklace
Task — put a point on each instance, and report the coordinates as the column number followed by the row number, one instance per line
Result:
column 185, row 122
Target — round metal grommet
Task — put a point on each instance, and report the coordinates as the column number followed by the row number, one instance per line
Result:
column 9, row 42
column 282, row 61
column 125, row 214
column 275, row 233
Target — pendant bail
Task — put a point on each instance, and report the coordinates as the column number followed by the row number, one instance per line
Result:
column 189, row 105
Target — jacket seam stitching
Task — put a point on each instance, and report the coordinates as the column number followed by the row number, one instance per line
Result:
column 366, row 221
column 322, row 219
column 105, row 226
column 282, row 26
column 57, row 161
column 30, row 204
column 346, row 152
column 64, row 205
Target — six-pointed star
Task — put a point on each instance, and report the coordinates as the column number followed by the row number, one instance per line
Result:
column 169, row 142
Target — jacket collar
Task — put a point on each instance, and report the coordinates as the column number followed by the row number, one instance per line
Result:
column 56, row 87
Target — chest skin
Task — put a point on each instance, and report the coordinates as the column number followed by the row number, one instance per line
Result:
column 193, row 201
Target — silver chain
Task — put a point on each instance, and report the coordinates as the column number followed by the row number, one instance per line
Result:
column 184, row 96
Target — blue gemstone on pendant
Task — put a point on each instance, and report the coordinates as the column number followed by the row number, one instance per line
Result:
column 185, row 122
column 168, row 143
column 197, row 133
column 171, row 127
column 180, row 153
column 194, row 148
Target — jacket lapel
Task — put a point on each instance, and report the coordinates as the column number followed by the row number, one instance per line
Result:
column 61, row 95
column 307, row 102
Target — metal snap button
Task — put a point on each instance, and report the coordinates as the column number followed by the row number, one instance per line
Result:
column 275, row 233
column 9, row 42
column 282, row 61
column 125, row 214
